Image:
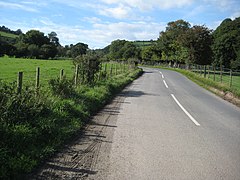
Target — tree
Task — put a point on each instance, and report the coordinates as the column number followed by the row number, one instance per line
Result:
column 129, row 50
column 147, row 53
column 226, row 46
column 122, row 50
column 35, row 37
column 78, row 49
column 33, row 51
column 169, row 41
column 198, row 41
column 48, row 51
column 6, row 47
column 21, row 49
column 88, row 65
column 115, row 50
column 53, row 38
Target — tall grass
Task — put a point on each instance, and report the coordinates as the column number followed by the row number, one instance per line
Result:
column 34, row 127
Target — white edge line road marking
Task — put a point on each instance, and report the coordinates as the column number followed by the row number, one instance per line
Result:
column 184, row 110
column 161, row 74
column 165, row 83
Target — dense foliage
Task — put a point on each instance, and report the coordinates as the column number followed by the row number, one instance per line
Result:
column 34, row 44
column 226, row 44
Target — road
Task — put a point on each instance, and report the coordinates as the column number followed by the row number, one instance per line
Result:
column 162, row 126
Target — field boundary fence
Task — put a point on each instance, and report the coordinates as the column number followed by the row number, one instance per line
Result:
column 38, row 80
column 226, row 76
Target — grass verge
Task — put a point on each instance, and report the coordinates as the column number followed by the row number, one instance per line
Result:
column 33, row 127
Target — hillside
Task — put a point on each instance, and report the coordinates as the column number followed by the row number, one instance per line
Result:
column 8, row 35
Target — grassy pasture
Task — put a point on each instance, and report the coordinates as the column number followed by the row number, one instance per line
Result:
column 143, row 43
column 226, row 79
column 9, row 35
column 49, row 69
column 9, row 68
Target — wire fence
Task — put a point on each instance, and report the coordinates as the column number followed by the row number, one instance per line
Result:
column 39, row 78
column 225, row 76
column 221, row 75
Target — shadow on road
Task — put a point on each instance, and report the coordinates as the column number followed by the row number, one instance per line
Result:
column 131, row 93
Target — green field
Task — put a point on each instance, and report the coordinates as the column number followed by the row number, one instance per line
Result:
column 143, row 43
column 9, row 68
column 9, row 35
column 49, row 69
column 226, row 78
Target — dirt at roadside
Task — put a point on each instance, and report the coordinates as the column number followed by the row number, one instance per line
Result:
column 79, row 160
column 228, row 96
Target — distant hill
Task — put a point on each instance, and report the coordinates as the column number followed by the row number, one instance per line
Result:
column 8, row 35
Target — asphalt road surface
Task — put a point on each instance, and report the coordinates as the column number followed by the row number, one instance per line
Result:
column 165, row 127
column 170, row 128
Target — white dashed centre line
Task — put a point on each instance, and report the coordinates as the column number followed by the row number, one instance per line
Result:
column 165, row 83
column 185, row 111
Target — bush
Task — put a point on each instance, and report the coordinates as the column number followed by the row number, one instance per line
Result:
column 88, row 65
column 18, row 129
column 63, row 88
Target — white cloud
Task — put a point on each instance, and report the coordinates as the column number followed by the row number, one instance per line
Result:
column 224, row 5
column 17, row 6
column 214, row 25
column 119, row 12
column 92, row 20
column 235, row 15
column 128, row 31
column 151, row 4
column 99, row 35
column 195, row 11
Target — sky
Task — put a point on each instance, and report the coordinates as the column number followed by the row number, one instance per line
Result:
column 99, row 22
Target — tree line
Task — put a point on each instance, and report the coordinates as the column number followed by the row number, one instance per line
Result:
column 35, row 44
column 179, row 43
column 186, row 44
column 7, row 30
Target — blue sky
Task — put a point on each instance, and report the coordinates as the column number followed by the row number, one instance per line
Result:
column 98, row 22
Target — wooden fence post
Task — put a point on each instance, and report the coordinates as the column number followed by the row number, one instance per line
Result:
column 230, row 83
column 205, row 71
column 105, row 69
column 221, row 73
column 76, row 75
column 37, row 79
column 208, row 71
column 214, row 71
column 19, row 82
column 111, row 69
column 61, row 74
column 99, row 76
